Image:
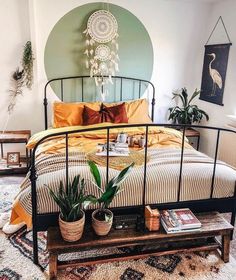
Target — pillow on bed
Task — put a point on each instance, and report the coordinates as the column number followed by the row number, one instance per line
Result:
column 113, row 114
column 70, row 114
column 137, row 111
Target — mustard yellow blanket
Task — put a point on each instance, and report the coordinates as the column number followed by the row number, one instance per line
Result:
column 160, row 137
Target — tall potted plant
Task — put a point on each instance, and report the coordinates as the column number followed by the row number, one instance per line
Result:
column 102, row 218
column 70, row 200
column 187, row 113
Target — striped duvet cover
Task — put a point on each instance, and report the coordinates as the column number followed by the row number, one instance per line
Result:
column 162, row 180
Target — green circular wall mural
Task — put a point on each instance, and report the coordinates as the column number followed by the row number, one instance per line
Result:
column 64, row 51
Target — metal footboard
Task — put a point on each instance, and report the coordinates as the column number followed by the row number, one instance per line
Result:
column 222, row 204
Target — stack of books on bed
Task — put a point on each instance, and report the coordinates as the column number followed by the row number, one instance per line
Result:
column 179, row 220
column 115, row 149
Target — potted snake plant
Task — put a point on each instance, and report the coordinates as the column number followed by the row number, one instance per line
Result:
column 102, row 218
column 187, row 113
column 70, row 200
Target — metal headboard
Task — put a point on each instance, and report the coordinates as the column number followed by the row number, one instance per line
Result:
column 61, row 80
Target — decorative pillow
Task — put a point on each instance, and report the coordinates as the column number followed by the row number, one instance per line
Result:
column 91, row 116
column 70, row 114
column 113, row 114
column 137, row 111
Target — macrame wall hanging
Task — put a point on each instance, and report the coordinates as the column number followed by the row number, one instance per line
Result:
column 102, row 48
column 215, row 68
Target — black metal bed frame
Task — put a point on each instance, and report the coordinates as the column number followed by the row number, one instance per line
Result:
column 43, row 221
column 83, row 78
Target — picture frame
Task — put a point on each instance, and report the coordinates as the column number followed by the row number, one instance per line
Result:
column 214, row 73
column 13, row 158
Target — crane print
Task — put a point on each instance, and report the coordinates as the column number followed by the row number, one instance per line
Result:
column 215, row 75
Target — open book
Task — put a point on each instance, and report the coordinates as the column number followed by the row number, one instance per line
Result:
column 115, row 149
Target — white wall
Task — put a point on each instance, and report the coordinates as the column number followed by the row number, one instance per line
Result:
column 178, row 33
column 217, row 113
column 14, row 32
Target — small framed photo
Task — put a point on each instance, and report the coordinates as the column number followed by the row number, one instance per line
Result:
column 13, row 158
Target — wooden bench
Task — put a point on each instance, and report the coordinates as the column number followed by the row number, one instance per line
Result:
column 213, row 224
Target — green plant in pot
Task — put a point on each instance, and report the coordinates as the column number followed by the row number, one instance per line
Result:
column 187, row 113
column 70, row 200
column 102, row 218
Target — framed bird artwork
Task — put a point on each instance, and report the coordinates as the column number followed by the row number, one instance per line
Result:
column 214, row 73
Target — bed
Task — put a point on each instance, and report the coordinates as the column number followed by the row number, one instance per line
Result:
column 169, row 173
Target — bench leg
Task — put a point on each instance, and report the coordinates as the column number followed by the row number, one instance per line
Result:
column 232, row 222
column 52, row 266
column 225, row 247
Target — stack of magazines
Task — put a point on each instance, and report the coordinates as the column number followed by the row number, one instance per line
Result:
column 179, row 220
column 115, row 149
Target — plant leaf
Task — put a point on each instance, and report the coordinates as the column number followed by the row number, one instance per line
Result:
column 95, row 172
column 120, row 177
column 195, row 94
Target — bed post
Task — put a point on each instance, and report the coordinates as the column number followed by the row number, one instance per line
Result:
column 33, row 178
column 45, row 104
column 233, row 213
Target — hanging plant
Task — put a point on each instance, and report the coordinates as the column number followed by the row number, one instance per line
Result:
column 20, row 79
column 16, row 90
column 27, row 64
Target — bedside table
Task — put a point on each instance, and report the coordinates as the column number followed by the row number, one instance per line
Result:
column 15, row 137
column 191, row 133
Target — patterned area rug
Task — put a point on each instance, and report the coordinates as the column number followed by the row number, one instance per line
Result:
column 7, row 194
column 16, row 261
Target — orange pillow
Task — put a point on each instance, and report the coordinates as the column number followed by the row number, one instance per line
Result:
column 113, row 114
column 70, row 114
column 137, row 111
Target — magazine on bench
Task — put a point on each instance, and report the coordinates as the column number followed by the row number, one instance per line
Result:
column 179, row 220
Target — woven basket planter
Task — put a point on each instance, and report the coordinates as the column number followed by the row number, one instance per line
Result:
column 72, row 231
column 102, row 227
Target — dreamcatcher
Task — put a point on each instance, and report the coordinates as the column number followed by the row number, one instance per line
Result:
column 102, row 47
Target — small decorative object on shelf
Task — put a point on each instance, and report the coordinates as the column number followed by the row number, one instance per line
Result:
column 12, row 162
column 152, row 218
column 140, row 223
column 102, row 218
column 125, row 221
column 141, row 142
column 13, row 158
column 187, row 113
column 122, row 137
column 131, row 141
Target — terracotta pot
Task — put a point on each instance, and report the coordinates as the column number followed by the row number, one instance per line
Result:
column 102, row 227
column 72, row 231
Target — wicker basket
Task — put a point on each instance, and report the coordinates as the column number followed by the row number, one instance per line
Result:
column 72, row 231
column 102, row 227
